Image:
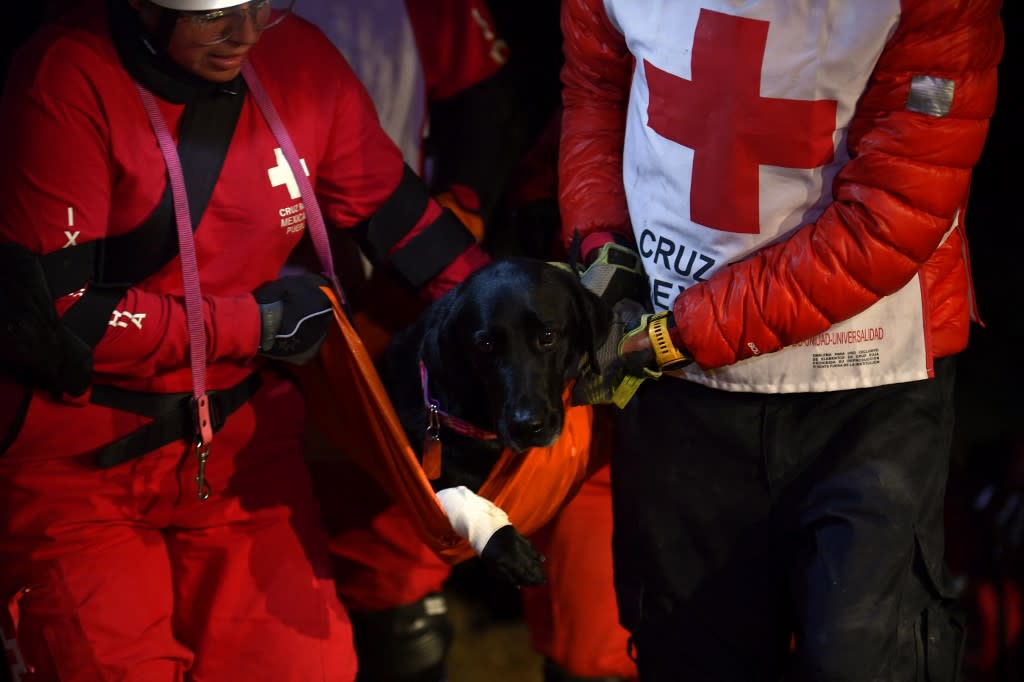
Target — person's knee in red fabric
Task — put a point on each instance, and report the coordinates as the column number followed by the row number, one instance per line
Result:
column 234, row 585
column 62, row 619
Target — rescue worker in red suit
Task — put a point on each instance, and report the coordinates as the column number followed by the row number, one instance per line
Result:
column 113, row 566
column 793, row 179
column 442, row 68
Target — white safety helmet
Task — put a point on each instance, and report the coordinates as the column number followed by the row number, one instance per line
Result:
column 220, row 19
column 198, row 5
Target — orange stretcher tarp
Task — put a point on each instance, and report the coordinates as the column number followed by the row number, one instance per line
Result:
column 348, row 403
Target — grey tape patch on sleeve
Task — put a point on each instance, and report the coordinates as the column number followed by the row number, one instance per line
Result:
column 930, row 95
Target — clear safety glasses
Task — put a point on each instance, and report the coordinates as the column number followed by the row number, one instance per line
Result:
column 218, row 25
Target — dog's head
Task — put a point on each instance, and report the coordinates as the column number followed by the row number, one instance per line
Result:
column 513, row 335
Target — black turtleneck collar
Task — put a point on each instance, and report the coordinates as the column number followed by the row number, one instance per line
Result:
column 149, row 64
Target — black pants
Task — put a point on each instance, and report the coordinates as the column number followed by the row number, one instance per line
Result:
column 742, row 520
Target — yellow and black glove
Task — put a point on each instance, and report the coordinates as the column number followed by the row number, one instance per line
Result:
column 614, row 273
column 638, row 348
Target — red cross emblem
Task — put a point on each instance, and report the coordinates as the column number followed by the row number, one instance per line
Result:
column 730, row 127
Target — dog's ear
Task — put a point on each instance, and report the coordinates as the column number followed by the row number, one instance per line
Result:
column 438, row 330
column 597, row 316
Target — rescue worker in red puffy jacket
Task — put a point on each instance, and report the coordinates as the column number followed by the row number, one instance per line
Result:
column 791, row 181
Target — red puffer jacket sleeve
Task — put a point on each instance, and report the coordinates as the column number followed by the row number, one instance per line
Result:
column 893, row 202
column 595, row 81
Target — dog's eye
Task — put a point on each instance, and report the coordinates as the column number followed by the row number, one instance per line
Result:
column 484, row 344
column 547, row 338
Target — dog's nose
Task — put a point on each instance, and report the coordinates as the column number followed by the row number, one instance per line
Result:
column 526, row 423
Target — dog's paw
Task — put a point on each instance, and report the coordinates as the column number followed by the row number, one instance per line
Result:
column 513, row 557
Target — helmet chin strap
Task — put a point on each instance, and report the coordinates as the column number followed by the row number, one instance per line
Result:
column 197, row 5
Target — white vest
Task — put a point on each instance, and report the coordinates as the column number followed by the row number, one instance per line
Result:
column 736, row 127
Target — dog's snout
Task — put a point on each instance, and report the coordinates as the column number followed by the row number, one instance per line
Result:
column 526, row 423
column 525, row 427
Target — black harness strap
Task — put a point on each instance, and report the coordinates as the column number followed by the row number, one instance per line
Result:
column 110, row 266
column 429, row 252
column 107, row 267
column 424, row 256
column 171, row 413
column 395, row 218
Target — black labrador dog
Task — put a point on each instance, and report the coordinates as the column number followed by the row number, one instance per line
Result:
column 493, row 356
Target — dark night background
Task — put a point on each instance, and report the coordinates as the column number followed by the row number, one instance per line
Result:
column 989, row 440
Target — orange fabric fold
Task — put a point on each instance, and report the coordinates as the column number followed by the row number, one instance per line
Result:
column 348, row 403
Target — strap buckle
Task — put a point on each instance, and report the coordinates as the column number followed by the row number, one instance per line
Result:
column 202, row 486
column 204, row 437
column 434, row 421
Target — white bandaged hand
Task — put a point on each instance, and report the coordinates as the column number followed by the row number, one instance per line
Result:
column 472, row 517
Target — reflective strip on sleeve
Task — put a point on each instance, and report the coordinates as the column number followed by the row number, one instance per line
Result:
column 930, row 95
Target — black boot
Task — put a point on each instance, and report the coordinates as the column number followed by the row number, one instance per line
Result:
column 405, row 644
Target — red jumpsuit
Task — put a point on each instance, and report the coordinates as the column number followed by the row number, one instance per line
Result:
column 122, row 573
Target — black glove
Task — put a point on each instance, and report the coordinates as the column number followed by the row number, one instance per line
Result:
column 294, row 317
column 513, row 557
